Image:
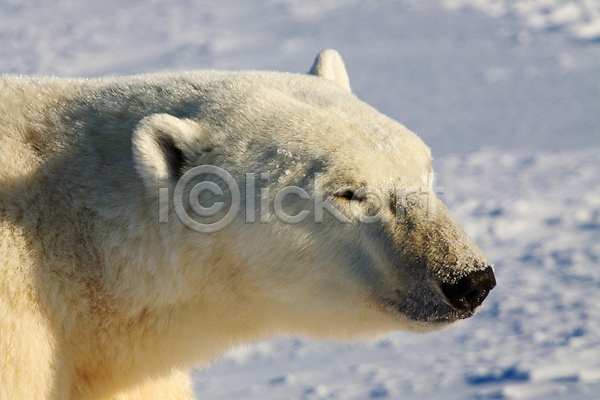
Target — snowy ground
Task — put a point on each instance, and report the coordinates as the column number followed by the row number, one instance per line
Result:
column 507, row 94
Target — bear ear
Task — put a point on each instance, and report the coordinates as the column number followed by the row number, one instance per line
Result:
column 163, row 146
column 329, row 65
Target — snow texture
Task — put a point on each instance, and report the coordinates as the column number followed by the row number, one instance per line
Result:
column 507, row 94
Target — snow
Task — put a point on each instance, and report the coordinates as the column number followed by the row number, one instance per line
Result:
column 507, row 94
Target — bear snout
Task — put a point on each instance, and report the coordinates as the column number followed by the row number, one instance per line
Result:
column 471, row 290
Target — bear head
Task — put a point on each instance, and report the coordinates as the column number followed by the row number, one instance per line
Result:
column 306, row 209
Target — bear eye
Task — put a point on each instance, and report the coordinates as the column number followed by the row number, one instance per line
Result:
column 348, row 194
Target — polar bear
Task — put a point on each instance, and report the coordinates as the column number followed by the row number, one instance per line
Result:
column 150, row 223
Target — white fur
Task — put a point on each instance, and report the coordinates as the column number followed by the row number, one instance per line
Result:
column 98, row 300
column 329, row 65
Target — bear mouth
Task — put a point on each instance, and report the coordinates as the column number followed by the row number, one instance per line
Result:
column 452, row 317
column 425, row 313
column 443, row 303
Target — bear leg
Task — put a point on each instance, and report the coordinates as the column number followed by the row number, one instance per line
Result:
column 176, row 386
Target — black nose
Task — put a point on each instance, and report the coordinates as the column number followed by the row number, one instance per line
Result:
column 469, row 291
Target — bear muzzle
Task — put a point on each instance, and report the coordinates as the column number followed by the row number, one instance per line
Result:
column 470, row 291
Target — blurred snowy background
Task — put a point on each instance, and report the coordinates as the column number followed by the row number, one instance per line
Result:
column 506, row 93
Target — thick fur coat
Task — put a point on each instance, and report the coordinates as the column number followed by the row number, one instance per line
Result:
column 106, row 292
